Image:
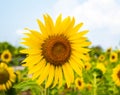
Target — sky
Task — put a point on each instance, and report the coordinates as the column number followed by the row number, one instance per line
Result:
column 100, row 17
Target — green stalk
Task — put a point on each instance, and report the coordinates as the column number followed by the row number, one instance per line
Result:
column 45, row 90
column 94, row 84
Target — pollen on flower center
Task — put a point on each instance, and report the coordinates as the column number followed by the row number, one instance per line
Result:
column 56, row 49
column 4, row 76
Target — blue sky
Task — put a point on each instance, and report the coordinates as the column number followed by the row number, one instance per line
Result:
column 101, row 17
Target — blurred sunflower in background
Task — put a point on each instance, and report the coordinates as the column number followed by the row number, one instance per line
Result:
column 101, row 58
column 57, row 50
column 7, row 77
column 116, row 75
column 101, row 67
column 113, row 57
column 87, row 65
column 89, row 86
column 79, row 83
column 6, row 56
column 109, row 50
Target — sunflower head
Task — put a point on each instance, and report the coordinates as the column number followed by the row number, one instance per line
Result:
column 6, row 56
column 7, row 76
column 101, row 67
column 116, row 75
column 87, row 65
column 79, row 83
column 101, row 58
column 113, row 57
column 109, row 50
column 106, row 62
column 57, row 51
column 89, row 86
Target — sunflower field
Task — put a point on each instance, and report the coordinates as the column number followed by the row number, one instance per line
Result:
column 58, row 60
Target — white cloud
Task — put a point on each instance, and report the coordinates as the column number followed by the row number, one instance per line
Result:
column 20, row 32
column 101, row 17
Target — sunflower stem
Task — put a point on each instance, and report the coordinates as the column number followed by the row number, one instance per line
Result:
column 46, row 91
column 94, row 84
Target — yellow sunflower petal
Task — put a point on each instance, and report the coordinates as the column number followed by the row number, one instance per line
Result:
column 75, row 29
column 50, row 77
column 61, row 28
column 57, row 24
column 58, row 21
column 31, row 60
column 67, row 78
column 34, row 34
column 75, row 67
column 49, row 24
column 37, row 66
column 31, row 44
column 78, row 35
column 42, row 64
column 31, row 51
column 3, row 86
column 60, row 77
column 42, row 27
column 70, row 72
column 7, row 85
column 56, row 76
column 69, row 26
column 44, row 74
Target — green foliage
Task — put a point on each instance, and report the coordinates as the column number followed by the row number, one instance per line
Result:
column 28, row 85
column 6, row 45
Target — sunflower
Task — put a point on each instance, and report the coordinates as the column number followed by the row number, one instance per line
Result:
column 79, row 83
column 109, row 50
column 116, row 75
column 7, row 76
column 106, row 63
column 101, row 67
column 113, row 57
column 6, row 56
column 56, row 51
column 101, row 58
column 87, row 65
column 89, row 86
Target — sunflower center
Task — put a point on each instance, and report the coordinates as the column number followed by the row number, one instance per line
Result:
column 85, row 66
column 102, row 57
column 113, row 57
column 4, row 76
column 79, row 83
column 56, row 49
column 118, row 74
column 6, row 56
